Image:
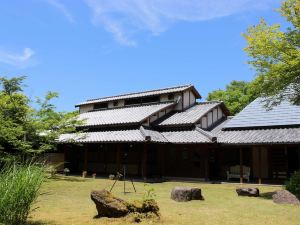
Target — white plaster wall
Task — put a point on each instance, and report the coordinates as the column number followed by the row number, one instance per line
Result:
column 215, row 115
column 186, row 99
column 179, row 105
column 210, row 118
column 220, row 113
column 204, row 122
column 85, row 108
column 164, row 98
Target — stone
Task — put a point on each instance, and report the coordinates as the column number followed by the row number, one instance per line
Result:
column 285, row 197
column 250, row 192
column 184, row 194
column 109, row 206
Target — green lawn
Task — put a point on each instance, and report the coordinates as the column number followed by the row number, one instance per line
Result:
column 67, row 201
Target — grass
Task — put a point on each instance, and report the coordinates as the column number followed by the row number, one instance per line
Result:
column 68, row 202
column 19, row 187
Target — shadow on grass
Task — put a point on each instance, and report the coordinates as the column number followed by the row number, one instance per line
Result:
column 266, row 195
column 66, row 178
column 38, row 222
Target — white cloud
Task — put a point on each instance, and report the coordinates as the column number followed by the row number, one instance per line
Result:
column 122, row 18
column 17, row 59
column 62, row 8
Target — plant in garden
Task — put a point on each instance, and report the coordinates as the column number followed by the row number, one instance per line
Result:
column 293, row 185
column 19, row 188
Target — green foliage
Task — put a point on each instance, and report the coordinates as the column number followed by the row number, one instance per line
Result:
column 293, row 185
column 19, row 188
column 236, row 96
column 276, row 56
column 149, row 193
column 28, row 130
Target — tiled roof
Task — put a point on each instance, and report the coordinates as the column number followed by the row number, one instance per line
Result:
column 260, row 136
column 186, row 137
column 256, row 115
column 189, row 116
column 103, row 137
column 142, row 94
column 125, row 115
column 152, row 135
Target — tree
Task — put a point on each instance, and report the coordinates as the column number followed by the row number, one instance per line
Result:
column 28, row 130
column 236, row 96
column 275, row 54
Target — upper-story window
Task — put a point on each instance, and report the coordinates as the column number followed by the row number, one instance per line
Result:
column 137, row 101
column 171, row 96
column 116, row 103
column 151, row 99
column 103, row 105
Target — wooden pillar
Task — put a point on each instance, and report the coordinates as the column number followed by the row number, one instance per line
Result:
column 207, row 165
column 145, row 156
column 118, row 157
column 259, row 165
column 241, row 166
column 85, row 157
column 161, row 150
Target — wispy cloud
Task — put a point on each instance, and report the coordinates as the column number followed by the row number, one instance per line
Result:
column 124, row 18
column 22, row 59
column 62, row 8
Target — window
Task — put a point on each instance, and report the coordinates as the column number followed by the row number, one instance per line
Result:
column 116, row 103
column 103, row 105
column 150, row 99
column 171, row 96
column 133, row 101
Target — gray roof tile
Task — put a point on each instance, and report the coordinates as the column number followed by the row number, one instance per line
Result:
column 125, row 115
column 256, row 115
column 186, row 137
column 260, row 136
column 189, row 116
column 103, row 137
column 142, row 94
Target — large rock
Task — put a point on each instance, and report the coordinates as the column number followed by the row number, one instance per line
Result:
column 184, row 194
column 285, row 197
column 107, row 205
column 251, row 192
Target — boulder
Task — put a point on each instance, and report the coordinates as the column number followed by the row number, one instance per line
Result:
column 250, row 192
column 107, row 205
column 285, row 197
column 184, row 194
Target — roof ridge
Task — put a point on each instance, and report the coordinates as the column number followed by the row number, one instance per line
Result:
column 140, row 92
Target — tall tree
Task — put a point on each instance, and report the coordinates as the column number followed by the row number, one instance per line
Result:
column 275, row 54
column 236, row 95
column 27, row 130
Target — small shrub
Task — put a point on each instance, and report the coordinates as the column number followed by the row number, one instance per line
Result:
column 293, row 185
column 19, row 187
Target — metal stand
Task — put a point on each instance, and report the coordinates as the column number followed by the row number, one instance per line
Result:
column 119, row 175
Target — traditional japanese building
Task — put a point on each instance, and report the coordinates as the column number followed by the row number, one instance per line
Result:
column 169, row 133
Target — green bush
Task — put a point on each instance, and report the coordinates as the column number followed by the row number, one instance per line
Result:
column 293, row 185
column 19, row 188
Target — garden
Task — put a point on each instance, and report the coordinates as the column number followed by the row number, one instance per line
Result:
column 66, row 200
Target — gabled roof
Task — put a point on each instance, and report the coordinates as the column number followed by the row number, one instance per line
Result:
column 191, row 115
column 256, row 115
column 143, row 94
column 122, row 116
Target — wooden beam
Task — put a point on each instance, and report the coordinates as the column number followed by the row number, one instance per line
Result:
column 162, row 159
column 241, row 166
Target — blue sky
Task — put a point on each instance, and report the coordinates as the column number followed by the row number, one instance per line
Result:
column 91, row 48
